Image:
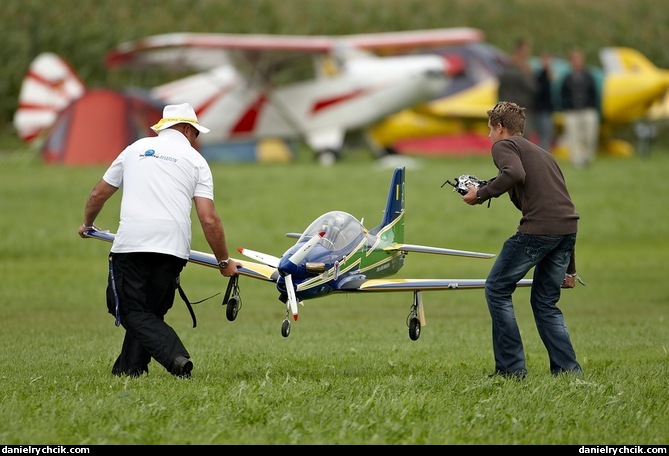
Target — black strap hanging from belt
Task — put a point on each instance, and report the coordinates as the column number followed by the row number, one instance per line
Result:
column 188, row 303
column 117, row 303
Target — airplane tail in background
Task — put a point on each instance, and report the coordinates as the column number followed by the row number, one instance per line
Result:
column 48, row 87
column 393, row 215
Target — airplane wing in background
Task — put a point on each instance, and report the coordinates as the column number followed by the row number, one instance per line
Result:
column 201, row 51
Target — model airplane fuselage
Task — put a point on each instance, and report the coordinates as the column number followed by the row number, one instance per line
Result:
column 337, row 254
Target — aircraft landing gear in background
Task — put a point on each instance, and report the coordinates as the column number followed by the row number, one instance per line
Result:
column 327, row 157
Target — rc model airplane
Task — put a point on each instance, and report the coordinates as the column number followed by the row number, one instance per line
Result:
column 337, row 254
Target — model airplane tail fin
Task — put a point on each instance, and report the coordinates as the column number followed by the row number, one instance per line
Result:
column 48, row 87
column 393, row 215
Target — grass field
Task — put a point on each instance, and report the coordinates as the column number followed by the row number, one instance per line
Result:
column 348, row 373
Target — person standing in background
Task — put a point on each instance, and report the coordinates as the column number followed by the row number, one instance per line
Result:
column 518, row 84
column 543, row 104
column 581, row 117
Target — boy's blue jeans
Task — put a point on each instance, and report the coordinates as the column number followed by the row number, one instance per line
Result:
column 550, row 256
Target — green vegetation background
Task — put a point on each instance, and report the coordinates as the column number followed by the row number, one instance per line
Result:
column 348, row 373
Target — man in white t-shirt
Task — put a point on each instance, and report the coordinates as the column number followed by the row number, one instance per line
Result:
column 161, row 177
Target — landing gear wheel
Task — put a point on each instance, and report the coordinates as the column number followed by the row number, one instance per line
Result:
column 327, row 157
column 414, row 328
column 285, row 328
column 232, row 300
column 232, row 308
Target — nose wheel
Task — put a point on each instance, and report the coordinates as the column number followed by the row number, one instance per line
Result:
column 285, row 328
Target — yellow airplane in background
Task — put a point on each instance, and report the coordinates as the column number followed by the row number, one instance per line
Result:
column 631, row 90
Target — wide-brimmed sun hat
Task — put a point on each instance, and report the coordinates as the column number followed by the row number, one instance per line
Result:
column 175, row 114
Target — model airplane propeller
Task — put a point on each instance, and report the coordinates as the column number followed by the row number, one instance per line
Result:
column 337, row 254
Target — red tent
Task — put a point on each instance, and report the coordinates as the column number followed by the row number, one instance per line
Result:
column 97, row 126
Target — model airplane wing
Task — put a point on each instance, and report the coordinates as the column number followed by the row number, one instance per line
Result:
column 265, row 258
column 420, row 284
column 249, row 269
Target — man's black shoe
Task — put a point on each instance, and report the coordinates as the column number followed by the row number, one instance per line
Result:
column 182, row 367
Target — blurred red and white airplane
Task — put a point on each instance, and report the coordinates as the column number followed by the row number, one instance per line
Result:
column 248, row 86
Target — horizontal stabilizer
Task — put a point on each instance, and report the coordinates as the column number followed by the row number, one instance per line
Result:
column 269, row 260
